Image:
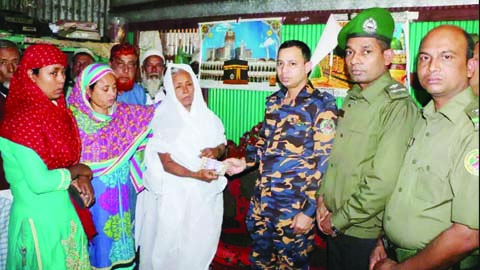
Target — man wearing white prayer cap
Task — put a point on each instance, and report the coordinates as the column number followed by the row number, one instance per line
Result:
column 153, row 67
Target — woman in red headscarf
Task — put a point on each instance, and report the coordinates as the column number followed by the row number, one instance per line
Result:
column 40, row 146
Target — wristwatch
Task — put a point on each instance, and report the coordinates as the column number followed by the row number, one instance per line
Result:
column 335, row 230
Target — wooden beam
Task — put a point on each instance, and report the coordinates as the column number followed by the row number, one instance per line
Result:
column 436, row 13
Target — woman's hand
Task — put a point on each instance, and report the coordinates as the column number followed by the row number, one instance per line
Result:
column 85, row 189
column 205, row 175
column 213, row 152
column 80, row 169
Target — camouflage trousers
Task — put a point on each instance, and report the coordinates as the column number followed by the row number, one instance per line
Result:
column 274, row 245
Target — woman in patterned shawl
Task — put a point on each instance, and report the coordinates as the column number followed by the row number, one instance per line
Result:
column 40, row 146
column 113, row 135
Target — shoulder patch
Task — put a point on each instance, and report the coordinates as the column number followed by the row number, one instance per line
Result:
column 397, row 91
column 471, row 162
column 327, row 126
column 472, row 112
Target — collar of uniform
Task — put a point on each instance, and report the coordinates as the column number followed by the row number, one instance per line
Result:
column 373, row 90
column 454, row 109
column 306, row 91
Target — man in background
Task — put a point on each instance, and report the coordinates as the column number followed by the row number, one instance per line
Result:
column 431, row 219
column 153, row 66
column 82, row 57
column 474, row 78
column 9, row 59
column 374, row 126
column 124, row 63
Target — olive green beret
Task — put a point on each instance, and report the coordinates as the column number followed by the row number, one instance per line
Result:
column 372, row 22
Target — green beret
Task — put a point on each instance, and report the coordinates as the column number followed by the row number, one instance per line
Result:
column 372, row 22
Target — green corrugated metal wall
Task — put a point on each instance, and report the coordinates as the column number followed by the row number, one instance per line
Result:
column 240, row 110
column 419, row 30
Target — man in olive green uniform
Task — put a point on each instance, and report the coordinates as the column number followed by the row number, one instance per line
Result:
column 431, row 219
column 373, row 131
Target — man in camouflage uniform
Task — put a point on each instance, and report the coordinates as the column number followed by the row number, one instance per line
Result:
column 374, row 126
column 292, row 150
column 431, row 219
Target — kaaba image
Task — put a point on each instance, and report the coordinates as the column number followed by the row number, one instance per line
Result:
column 235, row 72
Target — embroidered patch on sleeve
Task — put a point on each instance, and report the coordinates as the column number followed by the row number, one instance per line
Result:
column 327, row 126
column 471, row 162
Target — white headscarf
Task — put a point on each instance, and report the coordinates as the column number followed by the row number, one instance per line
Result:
column 181, row 133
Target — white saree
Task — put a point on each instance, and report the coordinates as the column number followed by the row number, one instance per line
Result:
column 179, row 219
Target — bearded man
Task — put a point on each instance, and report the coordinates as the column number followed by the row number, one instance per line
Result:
column 153, row 66
column 124, row 63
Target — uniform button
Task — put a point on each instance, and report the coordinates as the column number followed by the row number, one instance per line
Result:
column 399, row 189
column 427, row 134
column 349, row 105
column 428, row 167
column 341, row 135
column 331, row 164
column 414, row 161
column 389, row 218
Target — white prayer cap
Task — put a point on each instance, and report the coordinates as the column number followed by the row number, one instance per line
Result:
column 149, row 53
column 86, row 51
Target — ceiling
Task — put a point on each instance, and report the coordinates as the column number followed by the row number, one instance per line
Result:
column 140, row 11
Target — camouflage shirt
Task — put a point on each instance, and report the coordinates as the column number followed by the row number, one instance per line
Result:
column 293, row 146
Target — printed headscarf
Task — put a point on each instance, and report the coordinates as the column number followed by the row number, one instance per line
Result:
column 33, row 120
column 79, row 98
column 106, row 137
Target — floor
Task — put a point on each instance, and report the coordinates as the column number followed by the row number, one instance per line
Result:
column 232, row 254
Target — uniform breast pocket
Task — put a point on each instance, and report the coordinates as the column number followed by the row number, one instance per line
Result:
column 295, row 130
column 432, row 185
column 360, row 138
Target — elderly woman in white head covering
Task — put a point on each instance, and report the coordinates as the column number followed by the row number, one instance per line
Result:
column 180, row 212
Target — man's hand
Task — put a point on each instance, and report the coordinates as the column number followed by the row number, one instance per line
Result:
column 322, row 211
column 378, row 254
column 386, row 264
column 235, row 165
column 326, row 225
column 301, row 223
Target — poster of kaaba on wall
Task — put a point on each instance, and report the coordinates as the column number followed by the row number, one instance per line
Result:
column 239, row 54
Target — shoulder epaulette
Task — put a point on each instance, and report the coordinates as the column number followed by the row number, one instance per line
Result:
column 472, row 111
column 397, row 91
